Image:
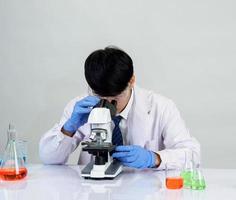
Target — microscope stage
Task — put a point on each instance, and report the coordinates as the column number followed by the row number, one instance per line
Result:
column 92, row 147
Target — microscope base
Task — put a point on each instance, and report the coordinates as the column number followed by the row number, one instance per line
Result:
column 111, row 171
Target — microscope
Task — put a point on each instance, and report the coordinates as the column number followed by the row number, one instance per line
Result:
column 101, row 147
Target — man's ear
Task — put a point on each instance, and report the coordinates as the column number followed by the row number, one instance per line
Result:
column 132, row 81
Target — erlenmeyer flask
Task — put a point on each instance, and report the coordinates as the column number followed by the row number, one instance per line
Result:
column 12, row 166
column 198, row 180
column 187, row 172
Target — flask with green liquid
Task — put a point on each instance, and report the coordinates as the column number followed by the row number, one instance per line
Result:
column 198, row 181
column 192, row 173
column 187, row 172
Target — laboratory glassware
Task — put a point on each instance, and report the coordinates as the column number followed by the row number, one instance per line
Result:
column 22, row 146
column 173, row 176
column 198, row 180
column 12, row 166
column 187, row 172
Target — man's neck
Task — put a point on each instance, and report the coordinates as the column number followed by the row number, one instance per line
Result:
column 127, row 101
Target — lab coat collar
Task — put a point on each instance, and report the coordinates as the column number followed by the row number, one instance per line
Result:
column 125, row 112
column 142, row 100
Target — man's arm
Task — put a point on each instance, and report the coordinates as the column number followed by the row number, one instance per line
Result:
column 58, row 143
column 55, row 146
column 176, row 138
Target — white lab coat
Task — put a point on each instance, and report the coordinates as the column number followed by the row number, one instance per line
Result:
column 153, row 122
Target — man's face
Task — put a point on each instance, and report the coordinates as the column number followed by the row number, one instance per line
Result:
column 122, row 99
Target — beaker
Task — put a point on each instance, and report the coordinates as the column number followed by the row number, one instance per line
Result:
column 12, row 166
column 187, row 172
column 173, row 176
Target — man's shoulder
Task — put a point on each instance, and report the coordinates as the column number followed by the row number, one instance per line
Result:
column 150, row 101
column 150, row 96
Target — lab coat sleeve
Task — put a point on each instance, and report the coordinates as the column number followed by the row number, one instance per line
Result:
column 54, row 146
column 176, row 138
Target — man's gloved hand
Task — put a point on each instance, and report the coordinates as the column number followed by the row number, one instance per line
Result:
column 135, row 156
column 80, row 113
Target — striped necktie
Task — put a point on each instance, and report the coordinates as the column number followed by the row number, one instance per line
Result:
column 116, row 134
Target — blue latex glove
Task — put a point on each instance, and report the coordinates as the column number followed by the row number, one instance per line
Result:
column 135, row 156
column 80, row 113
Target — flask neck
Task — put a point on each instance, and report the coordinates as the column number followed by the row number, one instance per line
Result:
column 11, row 133
column 11, row 136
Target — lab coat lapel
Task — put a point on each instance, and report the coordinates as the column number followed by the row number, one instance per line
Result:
column 138, row 122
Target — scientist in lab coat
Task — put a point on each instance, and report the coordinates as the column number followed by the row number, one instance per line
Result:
column 149, row 131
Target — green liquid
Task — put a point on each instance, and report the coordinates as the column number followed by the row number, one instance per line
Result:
column 198, row 184
column 187, row 176
column 191, row 181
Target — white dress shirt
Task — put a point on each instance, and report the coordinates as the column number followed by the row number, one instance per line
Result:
column 123, row 123
column 149, row 120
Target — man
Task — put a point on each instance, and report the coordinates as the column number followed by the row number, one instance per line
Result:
column 149, row 133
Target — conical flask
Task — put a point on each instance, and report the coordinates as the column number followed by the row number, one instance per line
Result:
column 198, row 180
column 187, row 172
column 12, row 166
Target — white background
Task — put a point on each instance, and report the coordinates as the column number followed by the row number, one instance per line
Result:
column 183, row 49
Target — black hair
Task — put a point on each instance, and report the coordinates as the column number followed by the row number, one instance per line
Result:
column 108, row 71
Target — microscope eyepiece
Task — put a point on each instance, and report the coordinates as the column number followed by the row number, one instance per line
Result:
column 103, row 103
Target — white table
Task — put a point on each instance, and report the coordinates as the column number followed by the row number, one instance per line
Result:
column 64, row 182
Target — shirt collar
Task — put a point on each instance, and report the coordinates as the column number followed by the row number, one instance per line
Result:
column 125, row 112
